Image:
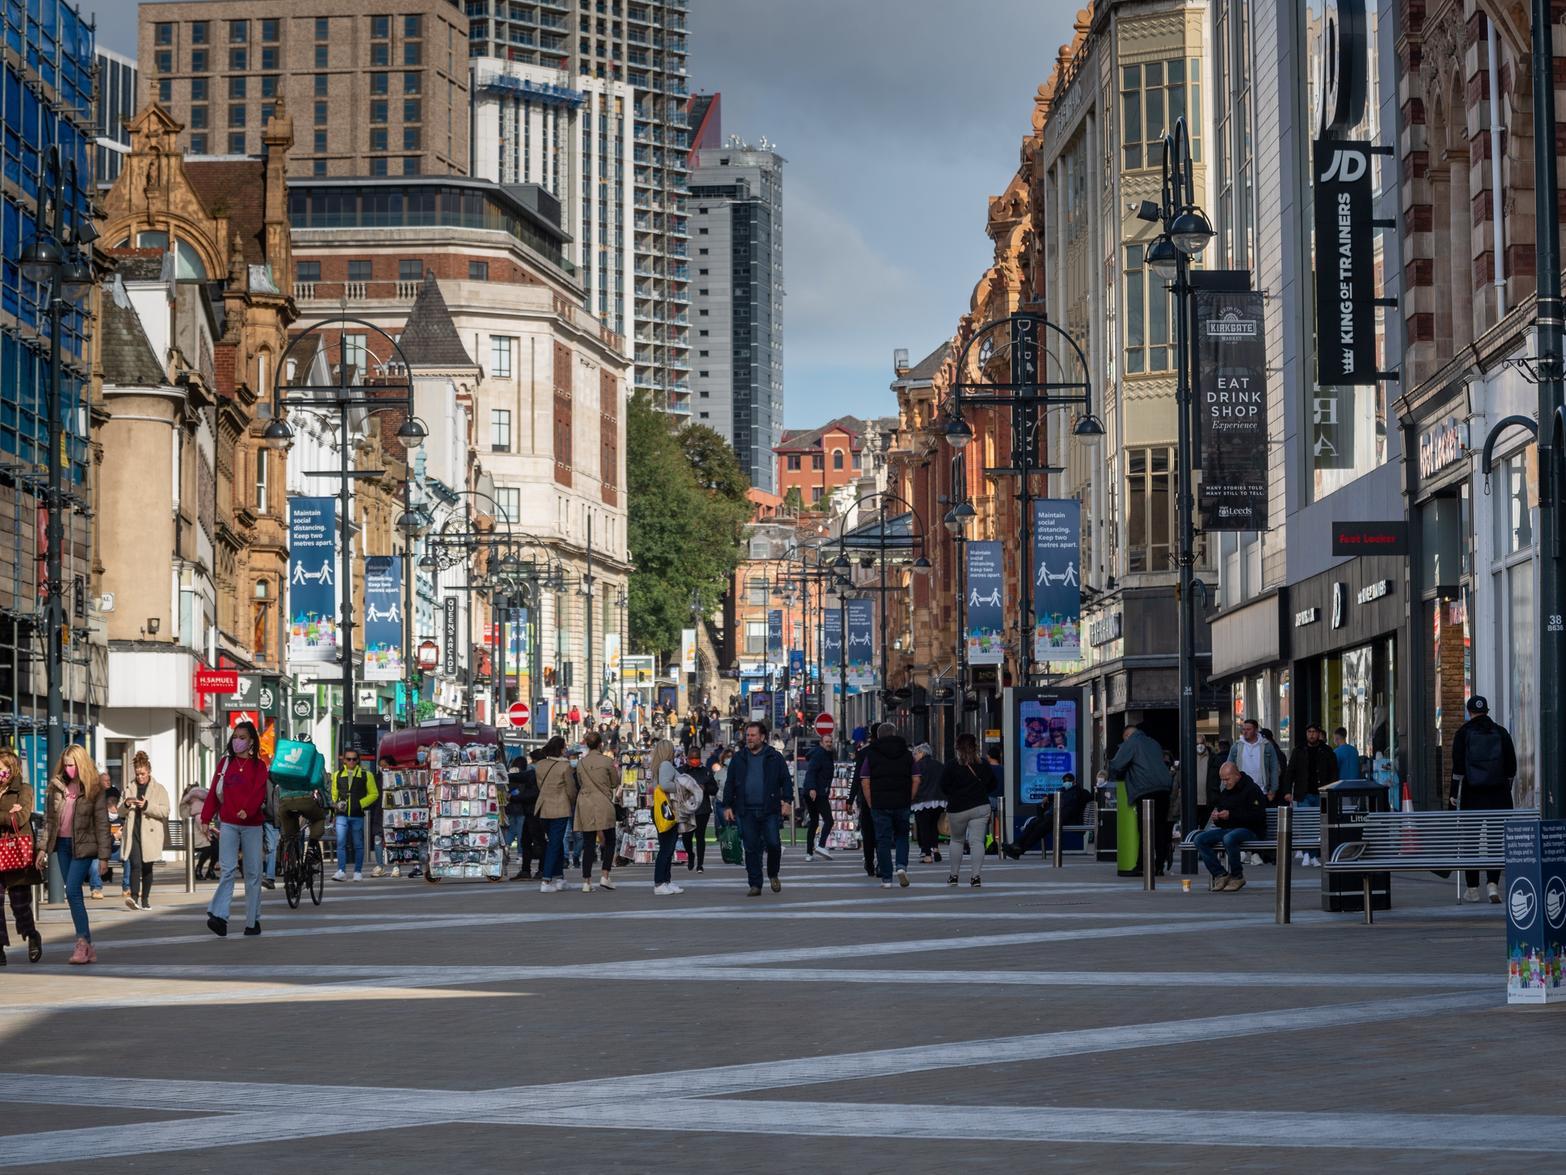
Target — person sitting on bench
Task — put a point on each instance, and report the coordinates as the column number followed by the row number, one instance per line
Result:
column 1039, row 828
column 1239, row 815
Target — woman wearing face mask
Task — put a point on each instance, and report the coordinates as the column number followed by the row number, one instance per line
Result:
column 146, row 808
column 237, row 798
column 77, row 833
column 16, row 813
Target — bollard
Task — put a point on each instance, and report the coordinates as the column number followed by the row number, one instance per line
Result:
column 190, row 854
column 1149, row 848
column 1283, row 904
column 1057, row 856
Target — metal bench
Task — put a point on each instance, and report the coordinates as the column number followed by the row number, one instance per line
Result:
column 1410, row 842
column 1088, row 828
column 1305, row 835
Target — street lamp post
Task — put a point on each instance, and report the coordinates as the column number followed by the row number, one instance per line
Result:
column 344, row 397
column 53, row 259
column 1184, row 233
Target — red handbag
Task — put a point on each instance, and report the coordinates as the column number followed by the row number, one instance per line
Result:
column 16, row 849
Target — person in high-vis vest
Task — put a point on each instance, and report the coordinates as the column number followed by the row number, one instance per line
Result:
column 353, row 792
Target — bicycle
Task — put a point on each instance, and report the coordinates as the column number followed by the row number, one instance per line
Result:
column 302, row 873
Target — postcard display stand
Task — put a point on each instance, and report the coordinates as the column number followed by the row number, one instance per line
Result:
column 406, row 824
column 845, row 812
column 465, row 797
column 636, row 838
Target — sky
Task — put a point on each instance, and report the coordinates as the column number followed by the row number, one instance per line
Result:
column 898, row 123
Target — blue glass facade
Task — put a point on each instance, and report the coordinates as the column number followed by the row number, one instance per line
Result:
column 46, row 100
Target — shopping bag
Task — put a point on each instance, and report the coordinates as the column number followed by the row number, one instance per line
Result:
column 16, row 848
column 729, row 843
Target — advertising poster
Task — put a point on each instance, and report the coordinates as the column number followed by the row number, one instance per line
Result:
column 312, row 580
column 611, row 654
column 775, row 630
column 1535, row 910
column 831, row 643
column 1057, row 580
column 861, row 644
column 985, row 605
column 383, row 619
column 687, row 650
column 1048, row 746
column 1231, row 356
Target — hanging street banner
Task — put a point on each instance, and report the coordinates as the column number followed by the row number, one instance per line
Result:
column 1231, row 381
column 384, row 659
column 312, row 580
column 687, row 650
column 448, row 635
column 861, row 644
column 1345, row 263
column 831, row 644
column 611, row 653
column 775, row 630
column 1057, row 580
column 986, row 605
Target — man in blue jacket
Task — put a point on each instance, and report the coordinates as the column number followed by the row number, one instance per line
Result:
column 818, row 799
column 758, row 792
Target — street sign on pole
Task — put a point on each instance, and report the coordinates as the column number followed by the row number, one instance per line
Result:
column 303, row 709
column 217, row 681
column 825, row 725
column 519, row 713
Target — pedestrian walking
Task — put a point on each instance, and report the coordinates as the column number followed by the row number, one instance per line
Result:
column 1347, row 755
column 929, row 804
column 1257, row 758
column 556, row 794
column 819, row 765
column 354, row 790
column 755, row 794
column 16, row 819
column 696, row 838
column 1140, row 762
column 76, row 831
column 666, row 821
column 596, row 776
column 863, row 813
column 967, row 788
column 238, row 798
column 718, row 764
column 203, row 841
column 1312, row 768
column 377, row 818
column 146, row 808
column 1239, row 816
column 1484, row 764
column 888, row 778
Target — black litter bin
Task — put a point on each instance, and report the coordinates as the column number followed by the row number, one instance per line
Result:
column 1344, row 807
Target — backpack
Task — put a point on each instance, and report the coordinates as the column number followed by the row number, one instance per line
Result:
column 1484, row 765
column 294, row 767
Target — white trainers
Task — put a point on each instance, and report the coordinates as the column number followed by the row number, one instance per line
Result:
column 357, row 876
column 675, row 888
column 339, row 876
column 587, row 887
column 1471, row 894
column 378, row 872
column 606, row 882
column 902, row 878
column 886, row 885
column 663, row 891
column 1491, row 889
column 547, row 887
column 823, row 854
column 810, row 856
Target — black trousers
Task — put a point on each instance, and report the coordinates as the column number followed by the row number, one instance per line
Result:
column 589, row 844
column 867, row 838
column 696, row 842
column 138, row 874
column 820, row 810
column 21, row 898
column 532, row 840
column 927, row 827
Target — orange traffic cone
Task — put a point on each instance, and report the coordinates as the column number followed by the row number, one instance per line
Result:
column 1408, row 800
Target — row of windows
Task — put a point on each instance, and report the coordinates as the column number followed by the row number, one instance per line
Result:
column 362, row 269
column 817, row 460
column 239, row 30
column 240, row 59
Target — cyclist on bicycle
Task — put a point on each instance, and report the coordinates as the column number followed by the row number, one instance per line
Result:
column 303, row 798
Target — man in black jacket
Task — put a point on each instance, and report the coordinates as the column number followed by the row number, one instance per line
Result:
column 1239, row 815
column 1311, row 768
column 757, row 792
column 818, row 800
column 1039, row 829
column 888, row 778
column 1484, row 763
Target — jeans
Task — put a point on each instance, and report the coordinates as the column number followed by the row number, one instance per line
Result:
column 95, row 875
column 760, row 832
column 554, row 849
column 968, row 826
column 590, row 848
column 270, row 835
column 1310, row 801
column 663, row 866
column 237, row 839
column 1232, row 839
column 350, row 843
column 73, row 873
column 891, row 832
column 820, row 815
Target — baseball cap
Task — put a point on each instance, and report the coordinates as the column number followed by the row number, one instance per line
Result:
column 1478, row 704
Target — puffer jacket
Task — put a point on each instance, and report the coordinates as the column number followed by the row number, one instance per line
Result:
column 14, row 792
column 89, row 831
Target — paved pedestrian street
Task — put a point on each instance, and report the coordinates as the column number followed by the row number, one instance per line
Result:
column 1059, row 1020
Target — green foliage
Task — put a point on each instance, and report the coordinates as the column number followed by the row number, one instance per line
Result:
column 687, row 512
column 794, row 501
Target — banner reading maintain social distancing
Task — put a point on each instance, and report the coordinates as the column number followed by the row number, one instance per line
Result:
column 861, row 644
column 312, row 580
column 986, row 612
column 1057, row 580
column 383, row 619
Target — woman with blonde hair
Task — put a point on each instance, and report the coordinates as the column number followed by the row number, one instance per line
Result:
column 76, row 831
column 661, row 793
column 16, row 816
column 146, row 808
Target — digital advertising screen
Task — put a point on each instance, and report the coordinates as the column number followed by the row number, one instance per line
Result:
column 1043, row 744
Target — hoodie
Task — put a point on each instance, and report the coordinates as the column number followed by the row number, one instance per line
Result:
column 890, row 769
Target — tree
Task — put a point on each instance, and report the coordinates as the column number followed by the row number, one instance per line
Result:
column 686, row 516
column 794, row 501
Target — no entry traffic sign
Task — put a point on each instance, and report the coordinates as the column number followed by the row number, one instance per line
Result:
column 825, row 724
column 519, row 714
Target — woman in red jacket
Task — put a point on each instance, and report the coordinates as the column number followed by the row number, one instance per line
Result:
column 237, row 799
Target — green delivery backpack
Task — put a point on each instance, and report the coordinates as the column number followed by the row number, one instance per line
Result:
column 297, row 768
